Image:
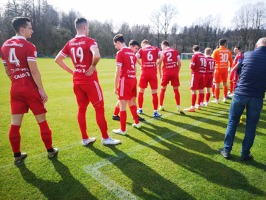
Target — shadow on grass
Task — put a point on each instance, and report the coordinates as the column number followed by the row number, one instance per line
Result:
column 67, row 188
column 147, row 183
column 210, row 170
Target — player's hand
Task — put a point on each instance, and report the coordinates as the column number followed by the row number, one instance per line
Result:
column 43, row 96
column 116, row 90
column 90, row 71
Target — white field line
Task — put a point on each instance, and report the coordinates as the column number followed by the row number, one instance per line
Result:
column 111, row 185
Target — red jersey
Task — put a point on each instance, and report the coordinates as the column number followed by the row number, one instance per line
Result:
column 210, row 67
column 237, row 59
column 79, row 49
column 149, row 56
column 198, row 63
column 16, row 52
column 126, row 59
column 170, row 64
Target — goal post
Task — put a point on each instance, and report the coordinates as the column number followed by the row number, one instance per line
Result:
column 186, row 56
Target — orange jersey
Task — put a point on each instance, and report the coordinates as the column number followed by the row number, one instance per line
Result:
column 222, row 57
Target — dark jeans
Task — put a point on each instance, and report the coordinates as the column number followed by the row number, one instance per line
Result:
column 253, row 108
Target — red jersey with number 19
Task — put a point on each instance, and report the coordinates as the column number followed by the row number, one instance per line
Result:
column 126, row 59
column 78, row 49
column 16, row 52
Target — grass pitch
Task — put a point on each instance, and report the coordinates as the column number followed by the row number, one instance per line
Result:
column 171, row 158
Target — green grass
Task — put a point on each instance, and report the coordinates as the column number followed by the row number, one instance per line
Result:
column 171, row 158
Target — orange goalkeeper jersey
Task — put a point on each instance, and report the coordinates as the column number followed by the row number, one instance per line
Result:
column 222, row 57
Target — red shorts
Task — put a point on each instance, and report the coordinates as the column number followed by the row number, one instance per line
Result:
column 89, row 93
column 148, row 78
column 208, row 80
column 197, row 81
column 21, row 102
column 174, row 78
column 220, row 75
column 234, row 77
column 127, row 88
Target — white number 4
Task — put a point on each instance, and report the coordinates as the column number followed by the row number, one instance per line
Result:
column 12, row 57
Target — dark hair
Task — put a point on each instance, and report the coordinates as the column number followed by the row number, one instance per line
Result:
column 19, row 22
column 133, row 43
column 196, row 47
column 79, row 22
column 238, row 47
column 119, row 38
column 222, row 41
column 165, row 43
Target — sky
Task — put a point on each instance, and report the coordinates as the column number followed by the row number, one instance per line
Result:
column 139, row 11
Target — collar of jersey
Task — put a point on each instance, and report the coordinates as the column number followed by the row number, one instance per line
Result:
column 19, row 37
column 80, row 36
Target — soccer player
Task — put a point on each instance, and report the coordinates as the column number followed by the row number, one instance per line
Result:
column 233, row 70
column 85, row 55
column 208, row 77
column 198, row 70
column 27, row 92
column 134, row 46
column 125, row 83
column 170, row 73
column 223, row 63
column 148, row 56
column 249, row 94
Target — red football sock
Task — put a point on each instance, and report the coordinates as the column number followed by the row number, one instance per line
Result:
column 82, row 122
column 213, row 89
column 225, row 91
column 100, row 119
column 123, row 119
column 162, row 96
column 217, row 93
column 177, row 96
column 140, row 99
column 231, row 87
column 155, row 101
column 133, row 110
column 208, row 96
column 46, row 134
column 14, row 138
column 116, row 111
column 193, row 99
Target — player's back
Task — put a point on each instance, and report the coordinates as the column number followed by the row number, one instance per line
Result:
column 210, row 67
column 126, row 59
column 170, row 58
column 222, row 56
column 16, row 52
column 198, row 63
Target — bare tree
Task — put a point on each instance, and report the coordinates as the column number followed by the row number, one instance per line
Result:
column 249, row 21
column 162, row 19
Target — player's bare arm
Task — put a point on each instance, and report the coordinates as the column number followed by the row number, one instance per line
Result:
column 59, row 60
column 37, row 79
column 95, row 60
column 117, row 75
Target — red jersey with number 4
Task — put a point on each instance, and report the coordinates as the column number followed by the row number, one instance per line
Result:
column 198, row 63
column 149, row 56
column 16, row 52
column 79, row 49
column 170, row 61
column 126, row 59
column 210, row 65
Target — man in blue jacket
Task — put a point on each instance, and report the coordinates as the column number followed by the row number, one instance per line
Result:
column 249, row 94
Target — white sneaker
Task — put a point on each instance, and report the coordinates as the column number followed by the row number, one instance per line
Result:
column 205, row 103
column 201, row 104
column 119, row 131
column 110, row 141
column 215, row 101
column 224, row 100
column 136, row 125
column 161, row 108
column 85, row 142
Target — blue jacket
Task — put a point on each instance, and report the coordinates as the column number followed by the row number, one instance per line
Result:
column 252, row 79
